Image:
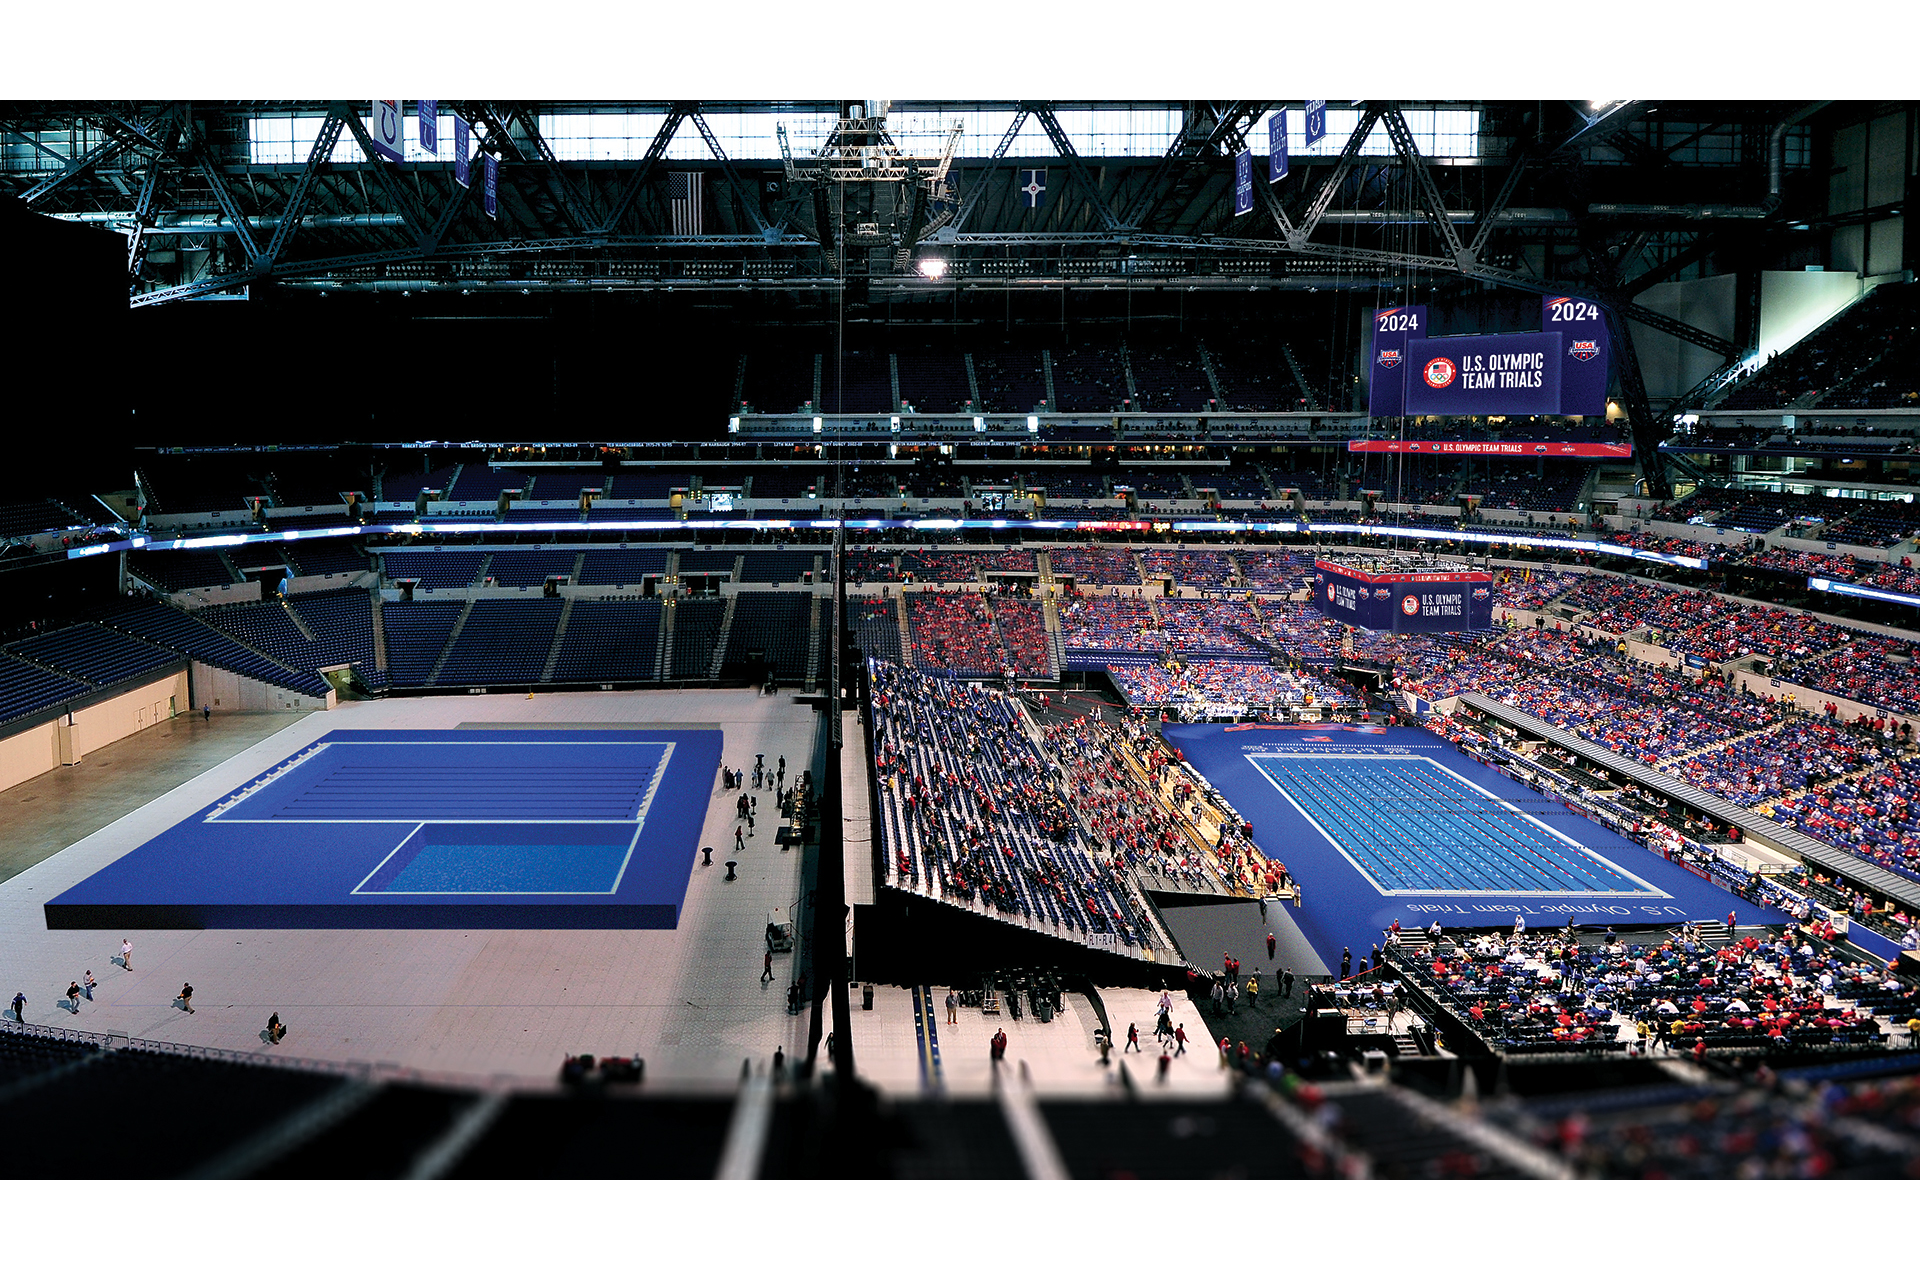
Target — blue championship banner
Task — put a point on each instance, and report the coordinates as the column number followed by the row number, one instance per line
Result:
column 1583, row 363
column 460, row 150
column 1316, row 120
column 1404, row 602
column 1393, row 328
column 1242, row 183
column 1277, row 145
column 1485, row 373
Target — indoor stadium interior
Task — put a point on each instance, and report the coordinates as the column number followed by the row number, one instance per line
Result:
column 1280, row 639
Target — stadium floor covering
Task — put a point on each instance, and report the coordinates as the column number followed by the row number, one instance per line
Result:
column 1384, row 824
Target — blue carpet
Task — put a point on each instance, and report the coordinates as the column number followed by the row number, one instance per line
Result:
column 1412, row 830
column 422, row 828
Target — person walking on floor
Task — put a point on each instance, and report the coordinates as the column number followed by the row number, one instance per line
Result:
column 19, row 1006
column 1180, row 1039
column 952, row 1004
column 997, row 1047
column 1286, row 985
column 73, row 998
column 766, row 968
column 739, row 838
column 126, row 954
column 186, row 997
column 1270, row 944
column 206, row 711
column 1253, row 992
column 87, row 984
column 1133, row 1039
column 1160, row 1076
column 1346, row 962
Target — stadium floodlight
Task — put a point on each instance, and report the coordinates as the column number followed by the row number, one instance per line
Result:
column 817, row 422
column 733, row 426
column 1033, row 424
column 933, row 268
column 979, row 423
column 894, row 423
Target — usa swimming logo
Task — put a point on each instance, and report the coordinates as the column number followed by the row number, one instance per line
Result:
column 1383, row 593
column 1584, row 349
column 1481, row 593
column 1439, row 372
column 1389, row 359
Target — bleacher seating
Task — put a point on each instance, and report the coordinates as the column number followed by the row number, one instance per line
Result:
column 417, row 632
column 26, row 688
column 179, row 570
column 530, row 568
column 621, row 567
column 775, row 623
column 18, row 519
column 609, row 640
column 776, row 566
column 1095, row 566
column 95, row 654
column 441, row 569
column 876, row 628
column 503, row 641
column 696, row 629
column 949, row 633
column 479, row 482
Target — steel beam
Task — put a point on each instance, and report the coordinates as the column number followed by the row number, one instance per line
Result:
column 1324, row 196
column 573, row 205
column 143, row 219
column 383, row 173
column 1430, row 200
column 1598, row 128
column 993, row 163
column 303, row 188
column 1484, row 231
column 749, row 198
column 223, row 196
column 54, row 182
column 676, row 114
column 1077, row 167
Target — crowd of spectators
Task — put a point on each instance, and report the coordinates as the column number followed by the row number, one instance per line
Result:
column 1214, row 628
column 1095, row 566
column 1110, row 624
column 1023, row 634
column 950, row 632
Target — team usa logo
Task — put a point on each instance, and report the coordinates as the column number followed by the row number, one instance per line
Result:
column 1329, row 593
column 1440, row 372
column 1584, row 349
column 1389, row 359
column 1410, row 606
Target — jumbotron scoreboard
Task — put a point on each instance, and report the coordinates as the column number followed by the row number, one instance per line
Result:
column 1404, row 595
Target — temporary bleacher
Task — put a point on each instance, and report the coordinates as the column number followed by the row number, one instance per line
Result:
column 18, row 519
column 93, row 653
column 343, row 621
column 773, row 622
column 876, row 628
column 776, row 566
column 26, row 688
column 696, row 629
column 180, row 631
column 417, row 632
column 503, row 642
column 609, row 640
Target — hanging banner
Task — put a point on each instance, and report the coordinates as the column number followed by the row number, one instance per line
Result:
column 1032, row 187
column 489, row 184
column 1242, row 183
column 384, row 129
column 1583, row 371
column 1316, row 120
column 460, row 174
column 1277, row 145
column 1387, row 370
column 1497, row 448
column 427, row 111
column 1484, row 373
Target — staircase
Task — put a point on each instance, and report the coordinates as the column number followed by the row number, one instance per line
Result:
column 814, row 674
column 739, row 384
column 817, row 406
column 459, row 625
column 232, row 569
column 379, row 631
column 1046, row 370
column 720, row 641
column 1213, row 378
column 1056, row 655
column 1300, row 378
column 1126, row 371
column 973, row 382
column 662, row 642
column 893, row 378
column 559, row 636
column 480, row 574
column 300, row 623
column 906, row 635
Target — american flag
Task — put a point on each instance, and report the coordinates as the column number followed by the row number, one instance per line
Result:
column 684, row 192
